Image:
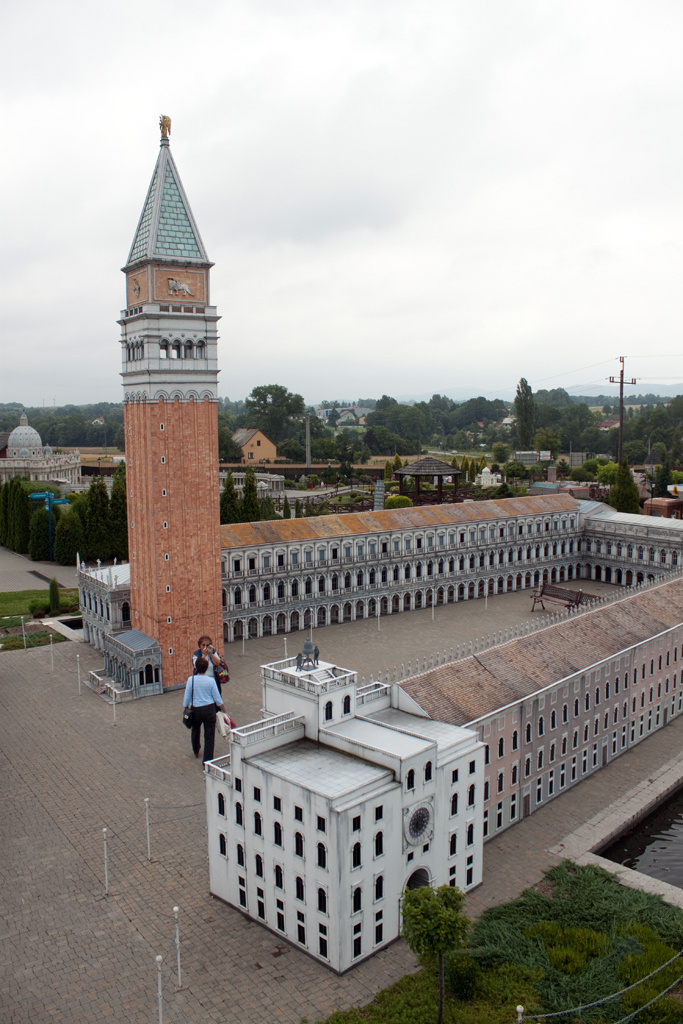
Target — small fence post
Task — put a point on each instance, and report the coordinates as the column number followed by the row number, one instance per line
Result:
column 106, row 865
column 52, row 654
column 160, row 997
column 520, row 1013
column 177, row 945
column 78, row 666
column 114, row 706
column 23, row 630
column 149, row 848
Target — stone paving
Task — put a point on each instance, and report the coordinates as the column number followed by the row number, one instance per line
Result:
column 71, row 953
column 17, row 573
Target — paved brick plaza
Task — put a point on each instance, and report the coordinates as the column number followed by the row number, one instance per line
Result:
column 71, row 954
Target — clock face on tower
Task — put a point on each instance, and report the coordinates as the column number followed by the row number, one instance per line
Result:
column 418, row 824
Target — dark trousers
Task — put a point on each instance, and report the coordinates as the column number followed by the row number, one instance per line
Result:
column 205, row 716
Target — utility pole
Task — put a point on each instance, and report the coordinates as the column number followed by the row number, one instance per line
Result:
column 308, row 444
column 613, row 380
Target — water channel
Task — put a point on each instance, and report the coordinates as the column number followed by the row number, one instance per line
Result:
column 655, row 845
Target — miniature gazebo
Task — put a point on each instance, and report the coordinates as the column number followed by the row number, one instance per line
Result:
column 428, row 467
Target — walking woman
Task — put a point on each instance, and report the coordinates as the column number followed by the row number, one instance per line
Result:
column 202, row 693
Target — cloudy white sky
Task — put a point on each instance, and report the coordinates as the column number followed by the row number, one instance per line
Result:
column 400, row 196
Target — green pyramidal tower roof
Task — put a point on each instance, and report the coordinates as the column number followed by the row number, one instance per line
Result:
column 167, row 229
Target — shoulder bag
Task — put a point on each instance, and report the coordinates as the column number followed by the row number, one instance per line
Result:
column 188, row 712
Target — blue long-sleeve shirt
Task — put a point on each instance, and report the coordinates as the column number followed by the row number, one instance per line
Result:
column 205, row 692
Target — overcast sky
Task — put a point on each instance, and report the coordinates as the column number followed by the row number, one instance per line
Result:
column 400, row 196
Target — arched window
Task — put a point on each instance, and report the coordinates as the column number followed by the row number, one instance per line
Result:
column 597, row 695
column 355, row 855
column 428, row 771
column 453, row 845
column 553, row 720
column 221, row 805
column 240, row 855
column 238, row 814
column 379, row 844
column 540, row 759
column 257, row 824
column 501, row 747
column 588, row 701
column 278, row 876
column 299, row 844
column 528, row 732
column 515, row 740
column 359, row 578
column 252, row 595
column 454, row 804
column 238, row 595
column 322, row 856
column 266, row 592
column 277, row 833
column 379, row 887
column 410, row 779
column 258, row 860
column 300, row 888
column 357, row 900
column 328, row 711
column 346, row 705
column 541, row 726
column 470, row 796
column 514, row 775
column 322, row 901
column 501, row 782
column 470, row 835
column 308, row 585
column 576, row 708
column 222, row 846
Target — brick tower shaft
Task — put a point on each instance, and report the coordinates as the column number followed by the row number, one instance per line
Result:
column 170, row 379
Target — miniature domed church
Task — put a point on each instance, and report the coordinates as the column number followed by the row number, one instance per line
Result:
column 170, row 382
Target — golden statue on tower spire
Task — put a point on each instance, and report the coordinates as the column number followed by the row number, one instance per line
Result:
column 165, row 125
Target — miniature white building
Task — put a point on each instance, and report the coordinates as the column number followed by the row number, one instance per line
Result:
column 333, row 804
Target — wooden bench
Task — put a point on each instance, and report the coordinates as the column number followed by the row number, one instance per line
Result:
column 570, row 598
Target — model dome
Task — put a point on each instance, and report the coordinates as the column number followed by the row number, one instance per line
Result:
column 24, row 437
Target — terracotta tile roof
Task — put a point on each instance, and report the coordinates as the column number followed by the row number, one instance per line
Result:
column 358, row 523
column 479, row 685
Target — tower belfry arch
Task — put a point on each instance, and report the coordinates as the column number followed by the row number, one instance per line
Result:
column 169, row 357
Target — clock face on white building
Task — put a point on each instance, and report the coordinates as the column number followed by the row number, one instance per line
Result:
column 418, row 824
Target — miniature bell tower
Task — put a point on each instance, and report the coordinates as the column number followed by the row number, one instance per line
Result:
column 170, row 383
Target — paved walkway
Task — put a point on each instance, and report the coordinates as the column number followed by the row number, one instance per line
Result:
column 18, row 572
column 70, row 953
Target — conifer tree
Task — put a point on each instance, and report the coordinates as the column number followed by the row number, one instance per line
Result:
column 268, row 512
column 118, row 515
column 464, row 466
column 297, row 510
column 230, row 506
column 20, row 516
column 524, row 411
column 623, row 496
column 250, row 510
column 97, row 537
column 286, row 509
column 397, row 461
column 4, row 512
column 69, row 538
column 39, row 534
column 663, row 478
column 54, row 595
column 388, row 471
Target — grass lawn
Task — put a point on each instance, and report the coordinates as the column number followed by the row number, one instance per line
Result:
column 41, row 639
column 577, row 938
column 16, row 602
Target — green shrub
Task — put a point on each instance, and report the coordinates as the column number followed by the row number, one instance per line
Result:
column 462, row 975
column 39, row 607
column 398, row 501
